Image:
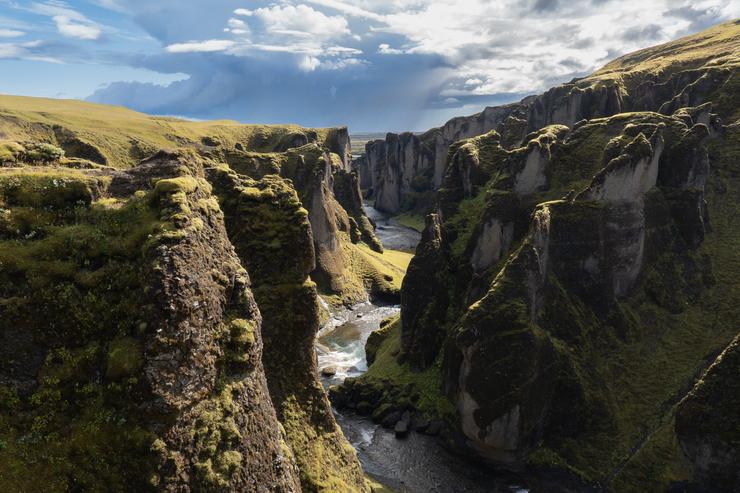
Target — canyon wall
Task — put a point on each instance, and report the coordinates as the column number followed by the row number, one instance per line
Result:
column 402, row 171
column 161, row 317
column 572, row 288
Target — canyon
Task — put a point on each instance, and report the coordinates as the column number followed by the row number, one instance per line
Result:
column 567, row 321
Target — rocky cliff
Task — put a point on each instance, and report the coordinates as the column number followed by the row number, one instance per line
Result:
column 332, row 197
column 131, row 340
column 160, row 318
column 402, row 171
column 571, row 288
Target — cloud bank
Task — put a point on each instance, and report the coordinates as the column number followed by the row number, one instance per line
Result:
column 373, row 64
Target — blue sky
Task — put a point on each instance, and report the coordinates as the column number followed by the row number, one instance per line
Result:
column 375, row 65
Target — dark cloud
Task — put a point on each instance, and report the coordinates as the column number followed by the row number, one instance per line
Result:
column 699, row 18
column 546, row 5
column 572, row 64
column 582, row 43
column 269, row 90
column 648, row 32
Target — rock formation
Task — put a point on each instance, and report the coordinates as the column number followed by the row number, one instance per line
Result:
column 573, row 283
column 131, row 340
column 332, row 197
column 272, row 234
column 402, row 171
column 134, row 334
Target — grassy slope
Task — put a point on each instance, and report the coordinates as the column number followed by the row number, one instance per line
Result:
column 707, row 48
column 427, row 384
column 112, row 128
column 714, row 321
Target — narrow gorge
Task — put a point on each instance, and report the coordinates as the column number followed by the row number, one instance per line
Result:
column 541, row 297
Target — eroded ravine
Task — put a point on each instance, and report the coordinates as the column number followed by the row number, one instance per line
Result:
column 417, row 463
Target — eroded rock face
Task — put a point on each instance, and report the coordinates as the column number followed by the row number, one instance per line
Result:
column 529, row 270
column 339, row 143
column 330, row 194
column 347, row 192
column 603, row 94
column 708, row 423
column 143, row 344
column 404, row 167
column 273, row 237
column 424, row 298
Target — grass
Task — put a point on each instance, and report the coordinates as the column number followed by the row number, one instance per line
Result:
column 707, row 48
column 411, row 220
column 390, row 262
column 427, row 383
column 124, row 136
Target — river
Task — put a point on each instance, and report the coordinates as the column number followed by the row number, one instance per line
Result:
column 418, row 463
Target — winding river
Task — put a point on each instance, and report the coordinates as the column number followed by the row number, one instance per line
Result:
column 418, row 463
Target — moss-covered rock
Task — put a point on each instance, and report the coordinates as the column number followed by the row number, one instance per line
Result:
column 118, row 330
column 562, row 305
column 708, row 423
column 272, row 235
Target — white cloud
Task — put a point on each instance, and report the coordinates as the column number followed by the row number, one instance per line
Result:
column 385, row 49
column 486, row 47
column 301, row 20
column 509, row 46
column 10, row 33
column 69, row 22
column 238, row 27
column 309, row 63
column 298, row 29
column 348, row 9
column 25, row 51
column 72, row 28
column 236, row 23
column 208, row 46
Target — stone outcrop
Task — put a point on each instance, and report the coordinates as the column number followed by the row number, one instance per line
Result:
column 132, row 343
column 272, row 234
column 424, row 305
column 404, row 168
column 708, row 423
column 332, row 198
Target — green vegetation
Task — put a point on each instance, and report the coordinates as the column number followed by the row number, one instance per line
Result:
column 426, row 386
column 123, row 137
column 71, row 274
column 411, row 220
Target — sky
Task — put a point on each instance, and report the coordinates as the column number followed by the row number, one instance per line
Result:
column 374, row 65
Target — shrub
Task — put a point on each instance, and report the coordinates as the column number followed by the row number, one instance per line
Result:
column 10, row 151
column 42, row 152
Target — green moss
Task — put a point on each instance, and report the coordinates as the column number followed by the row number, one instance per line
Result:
column 72, row 278
column 41, row 152
column 411, row 220
column 10, row 152
column 185, row 184
column 242, row 332
column 427, row 384
column 125, row 357
column 47, row 188
column 659, row 463
column 464, row 222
